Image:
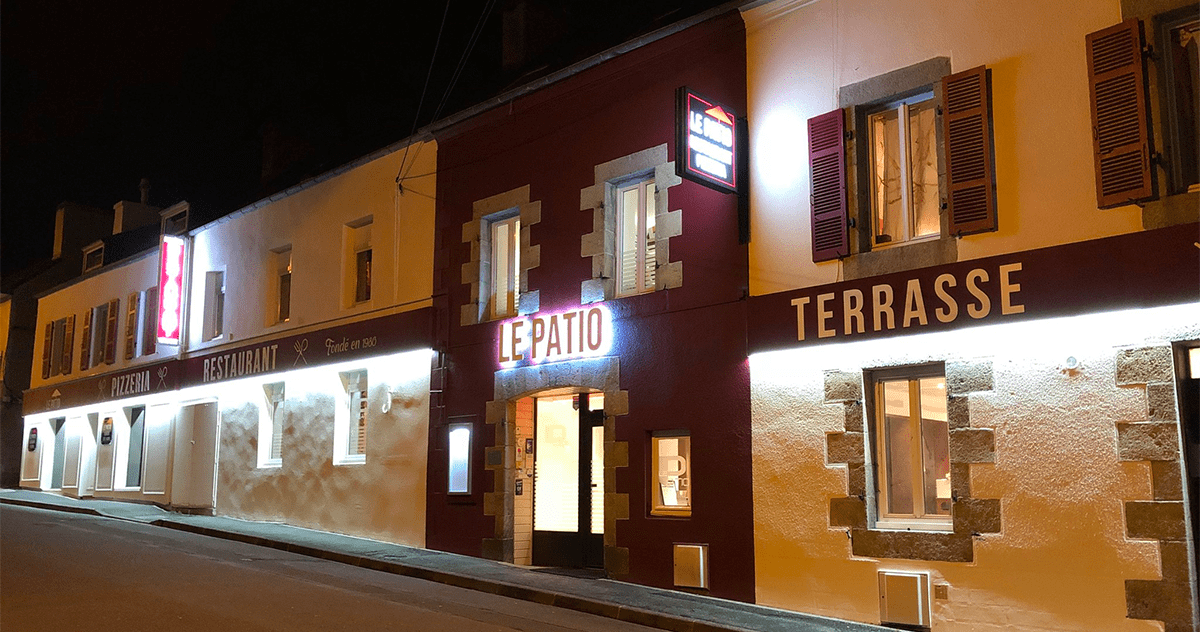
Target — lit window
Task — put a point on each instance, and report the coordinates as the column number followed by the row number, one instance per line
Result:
column 671, row 456
column 635, row 230
column 459, row 464
column 214, row 305
column 137, row 431
column 270, row 434
column 362, row 283
column 505, row 278
column 912, row 453
column 350, row 442
column 358, row 272
column 904, row 171
column 1179, row 37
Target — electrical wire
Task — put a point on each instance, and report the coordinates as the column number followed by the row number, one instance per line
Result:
column 425, row 88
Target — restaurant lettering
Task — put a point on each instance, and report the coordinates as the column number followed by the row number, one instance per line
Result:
column 545, row 338
column 131, row 384
column 240, row 363
column 910, row 304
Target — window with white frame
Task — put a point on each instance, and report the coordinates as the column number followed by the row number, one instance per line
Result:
column 350, row 441
column 93, row 257
column 635, row 238
column 671, row 482
column 214, row 304
column 283, row 284
column 136, row 416
column 458, row 475
column 504, row 271
column 910, row 435
column 270, row 429
column 903, row 171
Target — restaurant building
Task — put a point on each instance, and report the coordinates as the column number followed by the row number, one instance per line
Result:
column 974, row 308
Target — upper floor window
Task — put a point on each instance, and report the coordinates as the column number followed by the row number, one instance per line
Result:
column 58, row 347
column 903, row 171
column 504, row 233
column 1179, row 46
column 358, row 256
column 99, row 343
column 150, row 321
column 175, row 223
column 283, row 284
column 912, row 449
column 214, row 304
column 93, row 257
column 635, row 230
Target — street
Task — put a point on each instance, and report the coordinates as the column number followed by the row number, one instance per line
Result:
column 62, row 571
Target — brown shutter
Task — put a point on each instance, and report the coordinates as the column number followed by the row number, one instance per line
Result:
column 85, row 346
column 1120, row 118
column 150, row 335
column 131, row 325
column 970, row 156
column 827, row 155
column 68, row 350
column 46, row 347
column 110, row 336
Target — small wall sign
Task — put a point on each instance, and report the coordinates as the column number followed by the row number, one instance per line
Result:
column 520, row 486
column 32, row 439
column 705, row 141
column 106, row 431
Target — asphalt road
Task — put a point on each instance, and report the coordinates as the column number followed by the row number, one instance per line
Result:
column 65, row 572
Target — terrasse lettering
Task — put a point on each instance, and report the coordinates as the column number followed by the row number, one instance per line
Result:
column 240, row 363
column 882, row 308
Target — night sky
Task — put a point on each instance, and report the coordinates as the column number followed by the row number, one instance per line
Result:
column 223, row 102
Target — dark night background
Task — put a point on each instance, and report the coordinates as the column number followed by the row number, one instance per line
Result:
column 223, row 102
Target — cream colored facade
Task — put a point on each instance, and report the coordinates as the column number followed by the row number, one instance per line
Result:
column 1050, row 401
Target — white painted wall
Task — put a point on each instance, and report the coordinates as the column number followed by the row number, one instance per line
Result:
column 799, row 53
column 312, row 221
column 1062, row 557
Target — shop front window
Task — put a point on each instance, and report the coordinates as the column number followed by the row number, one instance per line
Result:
column 672, row 478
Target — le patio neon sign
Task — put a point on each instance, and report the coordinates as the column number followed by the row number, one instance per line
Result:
column 577, row 333
column 170, row 288
column 705, row 143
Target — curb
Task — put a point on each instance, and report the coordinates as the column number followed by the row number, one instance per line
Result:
column 51, row 506
column 499, row 588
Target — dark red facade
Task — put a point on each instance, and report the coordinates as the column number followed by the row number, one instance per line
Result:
column 681, row 351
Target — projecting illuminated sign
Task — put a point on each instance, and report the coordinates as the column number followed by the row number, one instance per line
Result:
column 170, row 288
column 578, row 333
column 705, row 142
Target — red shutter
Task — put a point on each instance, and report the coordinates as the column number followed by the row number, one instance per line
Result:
column 85, row 346
column 970, row 156
column 68, row 351
column 1120, row 118
column 827, row 155
column 110, row 336
column 46, row 347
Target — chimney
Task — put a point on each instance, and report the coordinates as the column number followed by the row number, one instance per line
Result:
column 144, row 185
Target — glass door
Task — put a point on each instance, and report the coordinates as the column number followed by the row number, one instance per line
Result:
column 568, row 501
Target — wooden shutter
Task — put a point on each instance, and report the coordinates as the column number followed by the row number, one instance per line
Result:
column 68, row 349
column 1120, row 117
column 46, row 347
column 150, row 322
column 110, row 335
column 827, row 155
column 131, row 325
column 85, row 346
column 970, row 156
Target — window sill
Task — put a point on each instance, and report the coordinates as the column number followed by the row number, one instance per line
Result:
column 273, row 464
column 663, row 512
column 914, row 524
column 353, row 459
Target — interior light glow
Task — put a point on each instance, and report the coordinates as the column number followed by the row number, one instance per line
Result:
column 1194, row 362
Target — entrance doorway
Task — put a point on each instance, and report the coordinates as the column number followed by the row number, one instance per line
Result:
column 567, row 483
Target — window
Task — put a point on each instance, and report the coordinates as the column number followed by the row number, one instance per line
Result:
column 505, row 241
column 635, row 230
column 99, row 343
column 283, row 285
column 270, row 435
column 1179, row 46
column 903, row 171
column 671, row 455
column 137, row 431
column 175, row 223
column 358, row 271
column 131, row 324
column 350, row 440
column 58, row 347
column 911, row 441
column 214, row 305
column 458, row 475
column 93, row 257
column 905, row 166
column 149, row 321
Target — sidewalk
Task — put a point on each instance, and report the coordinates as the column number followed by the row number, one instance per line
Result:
column 664, row 609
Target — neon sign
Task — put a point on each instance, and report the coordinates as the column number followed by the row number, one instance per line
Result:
column 170, row 288
column 578, row 333
column 705, row 142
